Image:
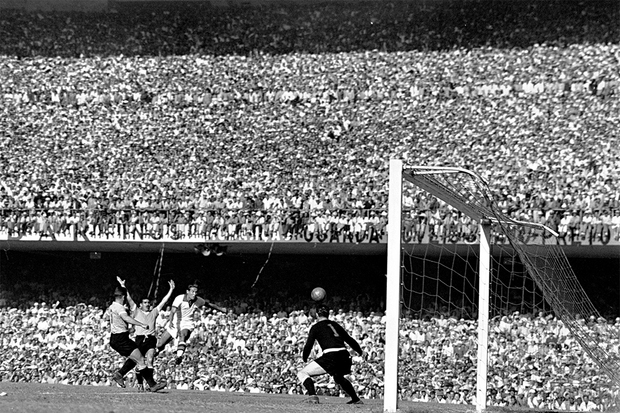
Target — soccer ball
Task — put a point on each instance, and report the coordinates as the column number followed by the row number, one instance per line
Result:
column 318, row 294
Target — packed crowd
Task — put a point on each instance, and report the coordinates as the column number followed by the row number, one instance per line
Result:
column 246, row 118
column 251, row 350
column 256, row 123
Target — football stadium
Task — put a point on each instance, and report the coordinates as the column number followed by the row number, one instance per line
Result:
column 204, row 204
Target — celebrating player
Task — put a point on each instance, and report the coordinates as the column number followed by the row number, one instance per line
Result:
column 181, row 322
column 123, row 345
column 146, row 338
column 335, row 359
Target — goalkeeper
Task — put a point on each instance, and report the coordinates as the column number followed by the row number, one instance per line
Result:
column 335, row 360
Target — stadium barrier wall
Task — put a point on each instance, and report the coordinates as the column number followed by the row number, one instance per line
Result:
column 345, row 274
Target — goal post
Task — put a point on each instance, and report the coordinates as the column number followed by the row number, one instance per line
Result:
column 483, row 315
column 506, row 271
column 392, row 302
column 393, row 295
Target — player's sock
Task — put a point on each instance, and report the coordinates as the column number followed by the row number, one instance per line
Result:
column 347, row 387
column 127, row 366
column 180, row 352
column 139, row 377
column 180, row 349
column 148, row 376
column 309, row 385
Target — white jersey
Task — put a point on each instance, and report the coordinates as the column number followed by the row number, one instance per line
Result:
column 187, row 310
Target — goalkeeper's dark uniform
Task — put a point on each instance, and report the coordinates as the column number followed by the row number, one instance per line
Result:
column 335, row 360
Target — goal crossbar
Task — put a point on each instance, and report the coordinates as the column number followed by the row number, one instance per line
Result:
column 419, row 176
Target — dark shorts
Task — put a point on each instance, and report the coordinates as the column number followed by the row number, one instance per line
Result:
column 337, row 363
column 122, row 344
column 146, row 343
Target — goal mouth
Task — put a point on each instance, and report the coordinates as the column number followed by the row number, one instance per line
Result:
column 512, row 270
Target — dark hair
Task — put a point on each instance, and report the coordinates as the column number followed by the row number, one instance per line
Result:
column 323, row 311
column 119, row 292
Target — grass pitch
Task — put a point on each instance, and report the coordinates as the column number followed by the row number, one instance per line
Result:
column 35, row 398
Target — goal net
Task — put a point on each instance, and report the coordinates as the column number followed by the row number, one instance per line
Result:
column 508, row 278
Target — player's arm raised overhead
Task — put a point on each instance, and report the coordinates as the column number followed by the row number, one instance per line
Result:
column 167, row 297
column 130, row 301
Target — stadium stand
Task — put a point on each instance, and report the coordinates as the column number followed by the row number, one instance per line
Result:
column 47, row 344
column 258, row 122
column 184, row 112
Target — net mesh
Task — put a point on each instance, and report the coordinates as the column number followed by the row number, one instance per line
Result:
column 442, row 280
column 529, row 271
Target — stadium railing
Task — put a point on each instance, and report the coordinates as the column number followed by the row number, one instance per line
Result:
column 300, row 225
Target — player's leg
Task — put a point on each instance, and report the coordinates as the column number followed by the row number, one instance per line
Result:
column 146, row 345
column 146, row 372
column 148, row 349
column 119, row 375
column 139, row 381
column 163, row 340
column 149, row 358
column 137, row 357
column 139, row 363
column 126, row 347
column 348, row 389
column 140, row 340
column 182, row 345
column 305, row 375
column 134, row 359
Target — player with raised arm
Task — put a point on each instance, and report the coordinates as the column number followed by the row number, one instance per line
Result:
column 125, row 346
column 146, row 338
column 181, row 322
column 335, row 359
